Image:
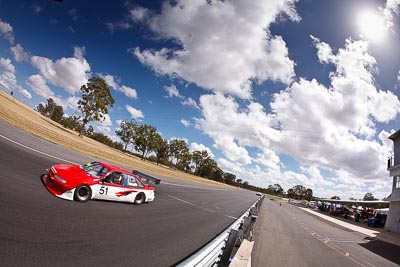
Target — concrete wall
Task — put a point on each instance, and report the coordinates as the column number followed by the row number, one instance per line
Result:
column 396, row 151
column 395, row 191
column 393, row 219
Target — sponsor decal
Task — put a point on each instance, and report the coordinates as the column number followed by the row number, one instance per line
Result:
column 125, row 193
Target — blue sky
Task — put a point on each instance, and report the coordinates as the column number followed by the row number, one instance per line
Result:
column 288, row 92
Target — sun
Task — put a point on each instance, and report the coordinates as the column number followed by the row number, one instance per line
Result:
column 372, row 26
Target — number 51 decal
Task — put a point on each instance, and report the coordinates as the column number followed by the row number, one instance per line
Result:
column 103, row 190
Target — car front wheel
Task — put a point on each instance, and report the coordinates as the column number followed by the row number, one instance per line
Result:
column 83, row 193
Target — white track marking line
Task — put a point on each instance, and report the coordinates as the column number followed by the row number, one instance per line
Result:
column 192, row 204
column 37, row 151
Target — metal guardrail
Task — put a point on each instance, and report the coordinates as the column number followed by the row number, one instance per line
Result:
column 217, row 252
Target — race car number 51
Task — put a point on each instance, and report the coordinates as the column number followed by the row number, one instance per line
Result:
column 103, row 190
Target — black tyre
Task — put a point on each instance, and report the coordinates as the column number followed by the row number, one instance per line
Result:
column 140, row 198
column 83, row 193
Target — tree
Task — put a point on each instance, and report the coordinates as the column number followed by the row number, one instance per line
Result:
column 275, row 189
column 146, row 138
column 369, row 197
column 230, row 178
column 208, row 167
column 72, row 122
column 89, row 131
column 178, row 148
column 335, row 197
column 127, row 132
column 300, row 192
column 205, row 165
column 162, row 148
column 291, row 193
column 308, row 194
column 96, row 97
column 51, row 110
column 184, row 162
column 218, row 175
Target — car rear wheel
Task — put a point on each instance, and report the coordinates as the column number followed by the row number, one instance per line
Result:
column 139, row 198
column 83, row 193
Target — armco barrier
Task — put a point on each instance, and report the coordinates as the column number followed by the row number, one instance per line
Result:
column 218, row 251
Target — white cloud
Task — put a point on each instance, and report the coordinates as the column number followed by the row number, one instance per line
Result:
column 6, row 31
column 39, row 86
column 110, row 80
column 126, row 90
column 324, row 53
column 186, row 123
column 325, row 128
column 234, row 127
column 200, row 147
column 392, row 8
column 104, row 129
column 225, row 46
column 70, row 103
column 122, row 25
column 25, row 93
column 19, row 53
column 129, row 92
column 269, row 159
column 172, row 91
column 79, row 53
column 190, row 102
column 139, row 13
column 68, row 73
column 135, row 113
column 8, row 80
column 107, row 121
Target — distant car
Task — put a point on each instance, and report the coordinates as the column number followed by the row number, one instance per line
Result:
column 96, row 180
column 259, row 194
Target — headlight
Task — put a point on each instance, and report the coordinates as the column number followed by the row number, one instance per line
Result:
column 60, row 179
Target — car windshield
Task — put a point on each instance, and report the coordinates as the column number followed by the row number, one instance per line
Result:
column 95, row 169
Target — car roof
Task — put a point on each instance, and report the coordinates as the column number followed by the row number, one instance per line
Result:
column 113, row 168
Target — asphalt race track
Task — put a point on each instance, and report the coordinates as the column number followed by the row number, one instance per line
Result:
column 38, row 229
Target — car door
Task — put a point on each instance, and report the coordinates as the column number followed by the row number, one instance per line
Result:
column 109, row 187
column 119, row 186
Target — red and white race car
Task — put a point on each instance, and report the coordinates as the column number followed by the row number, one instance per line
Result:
column 96, row 180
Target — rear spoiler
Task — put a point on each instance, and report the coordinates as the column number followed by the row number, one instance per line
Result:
column 146, row 178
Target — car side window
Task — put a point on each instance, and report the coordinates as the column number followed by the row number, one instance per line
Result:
column 132, row 181
column 114, row 178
